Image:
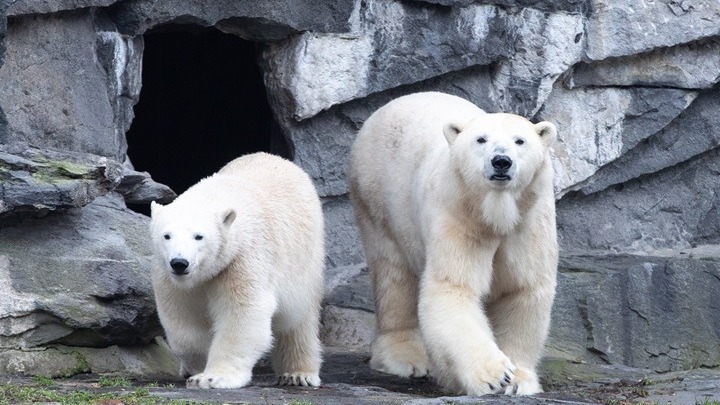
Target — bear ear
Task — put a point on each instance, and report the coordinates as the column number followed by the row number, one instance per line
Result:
column 228, row 217
column 451, row 131
column 547, row 132
column 154, row 208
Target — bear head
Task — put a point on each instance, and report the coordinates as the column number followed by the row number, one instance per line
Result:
column 189, row 241
column 500, row 151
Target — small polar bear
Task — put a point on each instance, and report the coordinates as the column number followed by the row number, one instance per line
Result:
column 457, row 217
column 238, row 261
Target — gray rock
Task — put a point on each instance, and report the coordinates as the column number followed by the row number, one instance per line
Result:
column 640, row 311
column 154, row 361
column 597, row 125
column 78, row 278
column 22, row 7
column 548, row 44
column 257, row 21
column 56, row 94
column 628, row 28
column 673, row 209
column 140, row 188
column 36, row 180
column 695, row 131
column 392, row 44
column 343, row 246
column 692, row 66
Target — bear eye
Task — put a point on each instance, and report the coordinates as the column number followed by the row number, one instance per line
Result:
column 481, row 140
column 198, row 237
column 166, row 236
column 519, row 141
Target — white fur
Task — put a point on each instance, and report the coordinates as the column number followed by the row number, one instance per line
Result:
column 253, row 237
column 463, row 264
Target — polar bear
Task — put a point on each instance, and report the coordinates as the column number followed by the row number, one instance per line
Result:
column 238, row 262
column 457, row 218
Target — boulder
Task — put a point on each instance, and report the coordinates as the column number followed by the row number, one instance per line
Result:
column 77, row 278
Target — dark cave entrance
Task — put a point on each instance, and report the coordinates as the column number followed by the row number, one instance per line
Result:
column 203, row 103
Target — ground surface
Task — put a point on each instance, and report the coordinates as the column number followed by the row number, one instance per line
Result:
column 347, row 379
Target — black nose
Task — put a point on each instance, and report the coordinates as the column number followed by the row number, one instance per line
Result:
column 179, row 266
column 501, row 163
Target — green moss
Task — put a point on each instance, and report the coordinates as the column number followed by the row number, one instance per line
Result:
column 81, row 366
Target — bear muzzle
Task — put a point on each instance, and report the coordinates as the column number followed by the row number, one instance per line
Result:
column 179, row 266
column 501, row 165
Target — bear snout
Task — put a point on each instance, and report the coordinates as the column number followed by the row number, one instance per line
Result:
column 179, row 266
column 501, row 165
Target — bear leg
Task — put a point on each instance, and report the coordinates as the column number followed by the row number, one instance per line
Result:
column 398, row 348
column 296, row 356
column 242, row 316
column 521, row 322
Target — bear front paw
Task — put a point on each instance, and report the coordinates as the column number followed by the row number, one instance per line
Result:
column 493, row 375
column 525, row 383
column 300, row 379
column 211, row 380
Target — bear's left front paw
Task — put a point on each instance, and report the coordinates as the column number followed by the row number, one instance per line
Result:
column 525, row 383
column 212, row 380
column 303, row 379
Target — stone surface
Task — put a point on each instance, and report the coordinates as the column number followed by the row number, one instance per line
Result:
column 78, row 278
column 688, row 66
column 36, row 180
column 140, row 188
column 658, row 313
column 675, row 208
column 51, row 6
column 598, row 125
column 149, row 361
column 55, row 95
column 619, row 29
column 695, row 131
column 392, row 44
column 258, row 21
column 547, row 45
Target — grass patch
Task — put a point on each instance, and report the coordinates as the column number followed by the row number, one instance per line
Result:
column 14, row 394
column 707, row 402
column 43, row 381
column 106, row 381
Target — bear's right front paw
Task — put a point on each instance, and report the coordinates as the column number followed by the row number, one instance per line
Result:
column 212, row 380
column 491, row 376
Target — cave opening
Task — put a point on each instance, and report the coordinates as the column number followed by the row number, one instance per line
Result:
column 203, row 103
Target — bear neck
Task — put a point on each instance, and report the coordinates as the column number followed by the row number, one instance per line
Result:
column 496, row 211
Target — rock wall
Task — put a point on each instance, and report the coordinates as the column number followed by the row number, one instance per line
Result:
column 633, row 89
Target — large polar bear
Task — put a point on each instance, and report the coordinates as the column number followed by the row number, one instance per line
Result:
column 457, row 217
column 238, row 261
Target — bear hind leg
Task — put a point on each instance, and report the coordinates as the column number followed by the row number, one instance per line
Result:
column 296, row 356
column 398, row 347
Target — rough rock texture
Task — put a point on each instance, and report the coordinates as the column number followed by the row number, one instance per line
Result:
column 78, row 278
column 41, row 180
column 256, row 20
column 632, row 86
column 73, row 94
